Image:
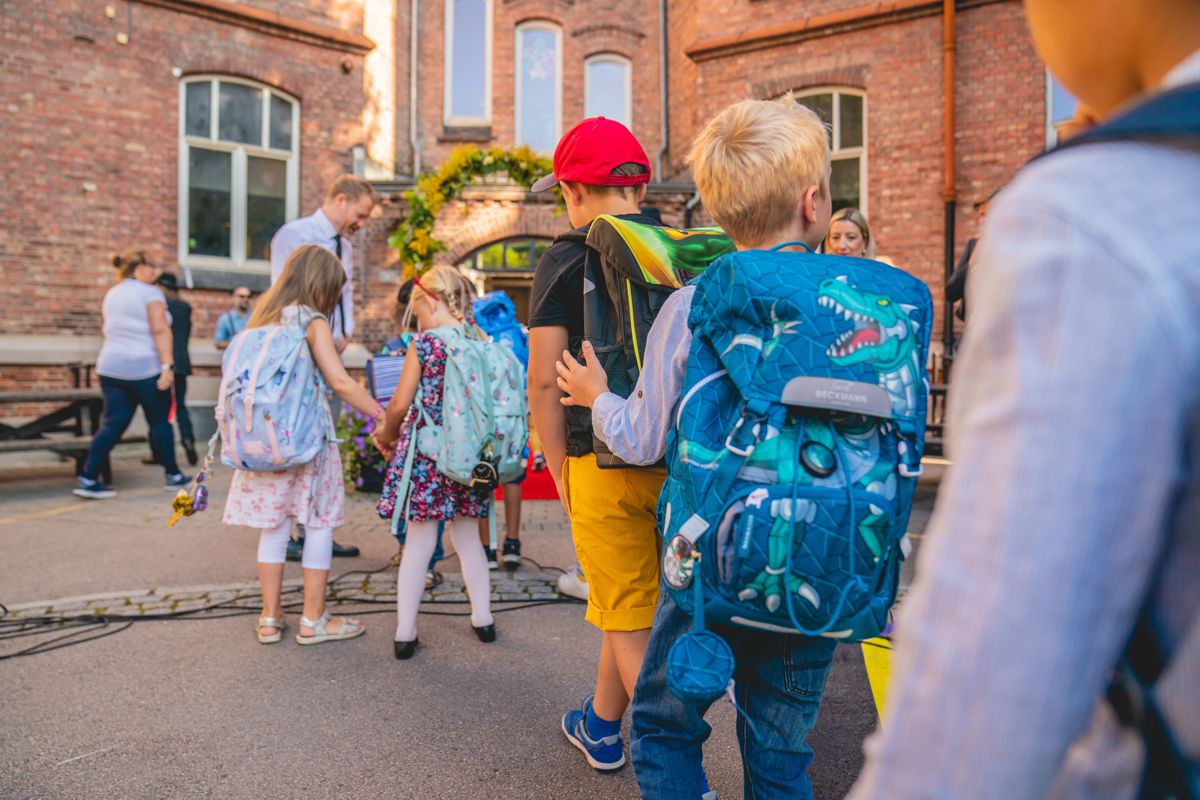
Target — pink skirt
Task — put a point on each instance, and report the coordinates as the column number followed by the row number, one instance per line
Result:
column 312, row 494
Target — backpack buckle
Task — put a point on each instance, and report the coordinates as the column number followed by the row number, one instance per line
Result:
column 748, row 449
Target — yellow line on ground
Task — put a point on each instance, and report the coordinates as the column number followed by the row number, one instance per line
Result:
column 77, row 506
column 877, row 655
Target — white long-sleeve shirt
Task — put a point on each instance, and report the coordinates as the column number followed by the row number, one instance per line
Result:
column 636, row 429
column 317, row 229
column 1074, row 425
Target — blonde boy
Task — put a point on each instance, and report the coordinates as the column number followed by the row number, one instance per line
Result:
column 762, row 168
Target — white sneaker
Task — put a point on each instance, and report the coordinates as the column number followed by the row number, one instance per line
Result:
column 573, row 584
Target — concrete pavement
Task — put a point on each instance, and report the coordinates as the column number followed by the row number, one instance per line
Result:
column 198, row 708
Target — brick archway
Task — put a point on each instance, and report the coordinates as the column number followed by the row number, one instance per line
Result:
column 470, row 224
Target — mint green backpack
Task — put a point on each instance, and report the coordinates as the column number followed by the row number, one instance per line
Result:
column 485, row 415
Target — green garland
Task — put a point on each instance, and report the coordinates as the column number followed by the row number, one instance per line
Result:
column 414, row 238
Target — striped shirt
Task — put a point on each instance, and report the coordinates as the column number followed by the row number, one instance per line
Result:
column 1075, row 432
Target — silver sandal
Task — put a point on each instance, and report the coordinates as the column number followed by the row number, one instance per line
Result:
column 270, row 622
column 350, row 629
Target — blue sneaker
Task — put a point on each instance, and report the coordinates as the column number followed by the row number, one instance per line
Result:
column 176, row 481
column 92, row 490
column 605, row 755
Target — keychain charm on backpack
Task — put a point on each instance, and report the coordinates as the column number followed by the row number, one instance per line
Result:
column 186, row 504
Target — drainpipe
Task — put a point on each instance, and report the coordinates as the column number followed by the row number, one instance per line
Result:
column 413, row 140
column 948, row 189
column 692, row 202
column 662, row 90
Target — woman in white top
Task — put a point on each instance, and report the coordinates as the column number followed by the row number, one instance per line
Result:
column 135, row 368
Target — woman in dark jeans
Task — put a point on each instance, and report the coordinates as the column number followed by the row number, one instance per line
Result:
column 136, row 368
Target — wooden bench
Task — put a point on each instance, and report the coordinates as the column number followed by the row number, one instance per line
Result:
column 67, row 430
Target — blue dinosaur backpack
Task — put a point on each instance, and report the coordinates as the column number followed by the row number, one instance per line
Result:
column 795, row 453
column 497, row 316
column 272, row 411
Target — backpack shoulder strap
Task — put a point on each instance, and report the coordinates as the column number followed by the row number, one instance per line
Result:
column 1171, row 116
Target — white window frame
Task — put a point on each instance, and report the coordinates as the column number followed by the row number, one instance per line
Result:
column 614, row 58
column 1051, row 126
column 518, row 73
column 838, row 153
column 237, row 259
column 448, row 118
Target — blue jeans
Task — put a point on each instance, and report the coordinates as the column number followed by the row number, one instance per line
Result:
column 778, row 683
column 121, row 400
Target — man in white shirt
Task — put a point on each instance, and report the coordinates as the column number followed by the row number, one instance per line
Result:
column 1073, row 506
column 347, row 206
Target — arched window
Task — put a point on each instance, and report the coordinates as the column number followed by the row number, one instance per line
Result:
column 468, row 63
column 238, row 170
column 539, row 85
column 845, row 111
column 606, row 88
column 508, row 265
column 507, row 255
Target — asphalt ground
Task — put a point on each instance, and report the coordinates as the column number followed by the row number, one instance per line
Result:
column 197, row 708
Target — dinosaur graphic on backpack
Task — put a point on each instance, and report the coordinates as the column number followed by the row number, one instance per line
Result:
column 795, row 452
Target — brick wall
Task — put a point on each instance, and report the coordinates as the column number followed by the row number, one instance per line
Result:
column 999, row 118
column 90, row 140
column 627, row 27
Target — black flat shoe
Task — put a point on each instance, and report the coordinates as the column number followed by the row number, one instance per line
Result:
column 192, row 457
column 344, row 550
column 405, row 650
column 486, row 634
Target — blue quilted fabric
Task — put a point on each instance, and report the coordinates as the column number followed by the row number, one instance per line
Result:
column 798, row 437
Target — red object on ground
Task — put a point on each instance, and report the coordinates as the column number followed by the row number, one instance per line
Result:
column 537, row 485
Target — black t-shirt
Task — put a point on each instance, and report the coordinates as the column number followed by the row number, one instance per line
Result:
column 557, row 301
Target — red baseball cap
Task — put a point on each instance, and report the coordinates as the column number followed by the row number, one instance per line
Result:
column 590, row 151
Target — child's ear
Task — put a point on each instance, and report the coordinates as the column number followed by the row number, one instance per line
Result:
column 572, row 192
column 810, row 212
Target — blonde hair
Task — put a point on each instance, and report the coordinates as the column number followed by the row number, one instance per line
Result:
column 312, row 277
column 448, row 285
column 754, row 161
column 353, row 187
column 851, row 214
column 129, row 261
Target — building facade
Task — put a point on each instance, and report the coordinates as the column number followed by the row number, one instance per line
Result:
column 194, row 128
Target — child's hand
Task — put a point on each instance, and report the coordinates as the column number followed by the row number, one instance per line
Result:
column 385, row 446
column 582, row 383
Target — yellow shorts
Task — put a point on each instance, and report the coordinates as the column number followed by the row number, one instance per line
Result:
column 616, row 539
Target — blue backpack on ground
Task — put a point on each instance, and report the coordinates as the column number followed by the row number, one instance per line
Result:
column 272, row 413
column 795, row 453
column 497, row 316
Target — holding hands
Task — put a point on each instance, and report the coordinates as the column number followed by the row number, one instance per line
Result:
column 582, row 383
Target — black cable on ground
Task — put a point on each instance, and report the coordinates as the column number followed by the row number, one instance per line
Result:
column 81, row 625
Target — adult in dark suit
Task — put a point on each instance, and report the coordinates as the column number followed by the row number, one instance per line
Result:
column 181, row 330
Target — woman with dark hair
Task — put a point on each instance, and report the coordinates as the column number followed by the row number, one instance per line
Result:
column 136, row 368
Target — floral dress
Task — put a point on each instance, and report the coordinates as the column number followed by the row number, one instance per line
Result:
column 313, row 494
column 433, row 496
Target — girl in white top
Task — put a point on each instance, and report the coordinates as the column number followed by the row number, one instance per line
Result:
column 311, row 494
column 135, row 368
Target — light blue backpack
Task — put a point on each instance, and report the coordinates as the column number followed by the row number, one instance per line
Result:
column 272, row 407
column 794, row 456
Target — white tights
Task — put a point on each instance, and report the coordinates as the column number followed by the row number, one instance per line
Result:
column 318, row 545
column 410, row 579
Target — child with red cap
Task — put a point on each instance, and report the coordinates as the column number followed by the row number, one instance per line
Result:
column 601, row 169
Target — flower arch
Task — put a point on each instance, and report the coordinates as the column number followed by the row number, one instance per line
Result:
column 414, row 239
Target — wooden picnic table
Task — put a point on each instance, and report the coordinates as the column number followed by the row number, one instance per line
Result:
column 68, row 429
